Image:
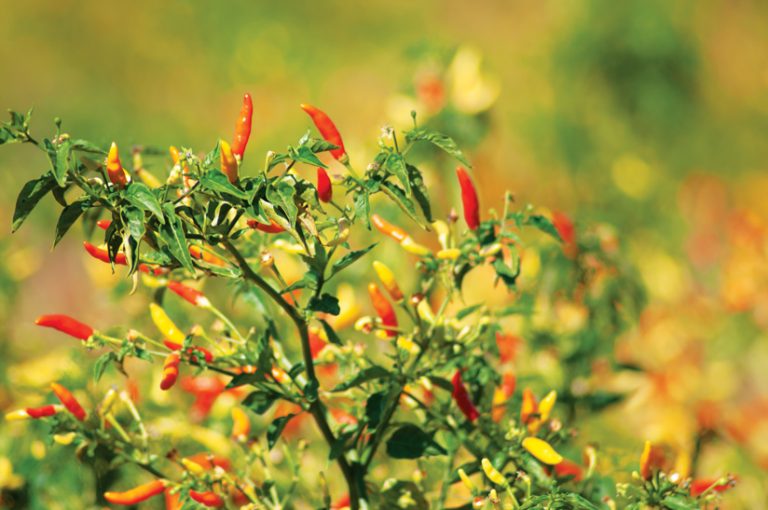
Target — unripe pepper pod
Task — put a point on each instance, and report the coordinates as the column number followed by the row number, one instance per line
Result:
column 272, row 228
column 461, row 396
column 170, row 371
column 208, row 498
column 115, row 170
column 137, row 494
column 243, row 127
column 165, row 325
column 228, row 161
column 324, row 187
column 492, row 473
column 66, row 324
column 388, row 279
column 469, row 199
column 542, row 450
column 189, row 294
column 384, row 309
column 69, row 401
column 327, row 130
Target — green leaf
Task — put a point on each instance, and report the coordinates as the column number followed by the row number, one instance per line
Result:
column 139, row 195
column 349, row 259
column 61, row 162
column 396, row 165
column 507, row 274
column 438, row 140
column 102, row 363
column 215, row 181
column 410, row 442
column 333, row 337
column 341, row 444
column 69, row 216
column 363, row 208
column 363, row 376
column 173, row 234
column 283, row 195
column 403, row 495
column 675, row 502
column 420, row 192
column 542, row 223
column 86, row 146
column 276, row 428
column 325, row 303
column 305, row 155
column 260, row 401
column 374, row 408
column 134, row 220
column 32, row 192
column 244, row 379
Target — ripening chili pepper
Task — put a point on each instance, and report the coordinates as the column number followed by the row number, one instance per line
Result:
column 528, row 407
column 115, row 170
column 542, row 450
column 243, row 127
column 388, row 279
column 546, row 405
column 469, row 199
column 66, row 325
column 189, row 294
column 137, row 494
column 207, row 355
column 384, row 309
column 170, row 371
column 206, row 256
column 324, row 187
column 172, row 500
column 192, row 466
column 272, row 228
column 501, row 395
column 461, row 396
column 492, row 473
column 327, row 130
column 316, row 342
column 208, row 498
column 165, row 325
column 399, row 235
column 652, row 459
column 241, row 424
column 698, row 487
column 228, row 161
column 569, row 469
column 142, row 173
column 69, row 401
column 181, row 167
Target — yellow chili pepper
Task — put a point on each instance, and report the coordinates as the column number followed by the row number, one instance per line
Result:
column 387, row 278
column 449, row 254
column 542, row 450
column 546, row 405
column 492, row 473
column 146, row 177
column 64, row 439
column 165, row 325
column 467, row 482
column 425, row 311
column 192, row 466
column 228, row 161
column 443, row 232
column 407, row 345
column 411, row 246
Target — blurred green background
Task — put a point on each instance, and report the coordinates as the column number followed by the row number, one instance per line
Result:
column 648, row 115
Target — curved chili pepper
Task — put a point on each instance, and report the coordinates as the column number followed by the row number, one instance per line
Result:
column 243, row 127
column 228, row 161
column 542, row 450
column 69, row 401
column 461, row 396
column 115, row 170
column 492, row 473
column 120, row 259
column 66, row 325
column 469, row 199
column 189, row 294
column 399, row 235
column 207, row 355
column 388, row 279
column 383, row 309
column 198, row 253
column 170, row 371
column 529, row 406
column 165, row 325
column 324, row 187
column 41, row 412
column 715, row 484
column 241, row 424
column 272, row 228
column 137, row 494
column 208, row 498
column 327, row 130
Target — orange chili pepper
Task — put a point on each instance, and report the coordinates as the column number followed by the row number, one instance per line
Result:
column 69, row 401
column 228, row 161
column 243, row 127
column 189, row 294
column 170, row 371
column 115, row 170
column 272, row 228
column 384, row 309
column 174, row 346
column 137, row 494
column 208, row 498
column 388, row 279
column 200, row 254
column 327, row 130
column 241, row 424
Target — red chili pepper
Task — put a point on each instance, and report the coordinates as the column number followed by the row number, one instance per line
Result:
column 272, row 228
column 115, row 170
column 41, row 412
column 568, row 468
column 243, row 127
column 104, row 224
column 137, row 494
column 208, row 498
column 469, row 199
column 388, row 229
column 69, row 401
column 342, row 502
column 170, row 371
column 65, row 324
column 462, row 399
column 703, row 484
column 316, row 342
column 190, row 351
column 120, row 259
column 324, row 188
column 384, row 309
column 564, row 227
column 189, row 294
column 327, row 130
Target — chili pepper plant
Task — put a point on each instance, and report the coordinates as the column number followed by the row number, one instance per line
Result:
column 364, row 356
